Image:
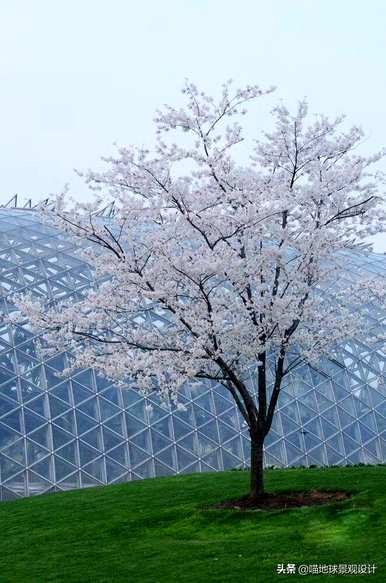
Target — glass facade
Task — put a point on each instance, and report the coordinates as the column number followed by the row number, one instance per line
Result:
column 57, row 434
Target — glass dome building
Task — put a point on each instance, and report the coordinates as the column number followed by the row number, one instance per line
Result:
column 61, row 433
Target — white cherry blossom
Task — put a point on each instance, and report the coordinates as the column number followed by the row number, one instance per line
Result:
column 208, row 268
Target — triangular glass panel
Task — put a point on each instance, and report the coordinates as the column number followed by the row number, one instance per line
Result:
column 205, row 401
column 231, row 417
column 277, row 450
column 114, row 470
column 62, row 391
column 111, row 395
column 29, row 390
column 120, row 454
column 85, row 378
column 6, row 405
column 133, row 424
column 146, row 470
column 345, row 418
column 130, row 397
column 361, row 408
column 57, row 407
column 354, row 458
column 16, row 451
column 13, row 420
column 17, row 484
column 9, row 390
column 81, row 393
column 168, row 457
column 189, row 442
column 288, row 424
column 222, row 403
column 348, row 406
column 52, row 377
column 180, row 428
column 62, row 468
column 93, row 438
column 87, row 453
column 314, row 426
column 295, row 439
column 5, row 375
column 213, row 460
column 110, row 439
column 41, row 436
column 205, row 446
column 56, row 362
column 116, row 424
column 235, row 446
column 309, row 399
column 160, row 469
column 291, row 411
column 7, row 495
column 84, row 422
column 107, row 409
column 60, row 437
column 293, row 453
column 210, row 430
column 32, row 421
column 366, row 434
column 202, row 417
column 164, row 427
column 154, row 415
column 69, row 453
column 38, row 406
column 318, row 456
column 185, row 458
column 143, row 440
column 36, row 377
column 87, row 480
column 137, row 455
column 70, row 482
column 36, row 483
column 159, row 442
column 9, row 468
column 310, row 441
column 44, row 468
column 90, row 407
column 229, row 461
column 374, row 448
column 306, row 414
column 66, row 421
column 381, row 423
column 381, row 407
column 353, row 431
column 336, row 442
column 186, row 416
column 349, row 444
column 225, row 432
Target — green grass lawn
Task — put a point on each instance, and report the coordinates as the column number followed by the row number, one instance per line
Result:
column 158, row 531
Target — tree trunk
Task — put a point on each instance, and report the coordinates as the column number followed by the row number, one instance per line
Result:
column 257, row 472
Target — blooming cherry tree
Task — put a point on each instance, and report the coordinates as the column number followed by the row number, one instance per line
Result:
column 233, row 263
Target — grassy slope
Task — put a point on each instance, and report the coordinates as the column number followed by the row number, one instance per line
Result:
column 156, row 531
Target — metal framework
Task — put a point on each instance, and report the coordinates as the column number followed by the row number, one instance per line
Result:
column 107, row 212
column 57, row 433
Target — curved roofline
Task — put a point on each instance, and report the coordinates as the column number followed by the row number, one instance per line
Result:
column 108, row 211
column 28, row 204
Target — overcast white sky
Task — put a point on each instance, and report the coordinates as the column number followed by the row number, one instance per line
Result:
column 78, row 75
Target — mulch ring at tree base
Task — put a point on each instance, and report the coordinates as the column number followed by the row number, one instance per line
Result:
column 284, row 500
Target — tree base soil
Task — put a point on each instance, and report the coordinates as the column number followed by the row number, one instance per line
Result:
column 280, row 501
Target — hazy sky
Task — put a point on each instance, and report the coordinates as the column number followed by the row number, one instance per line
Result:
column 78, row 75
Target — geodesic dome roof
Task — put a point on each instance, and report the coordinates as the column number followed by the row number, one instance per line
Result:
column 80, row 431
